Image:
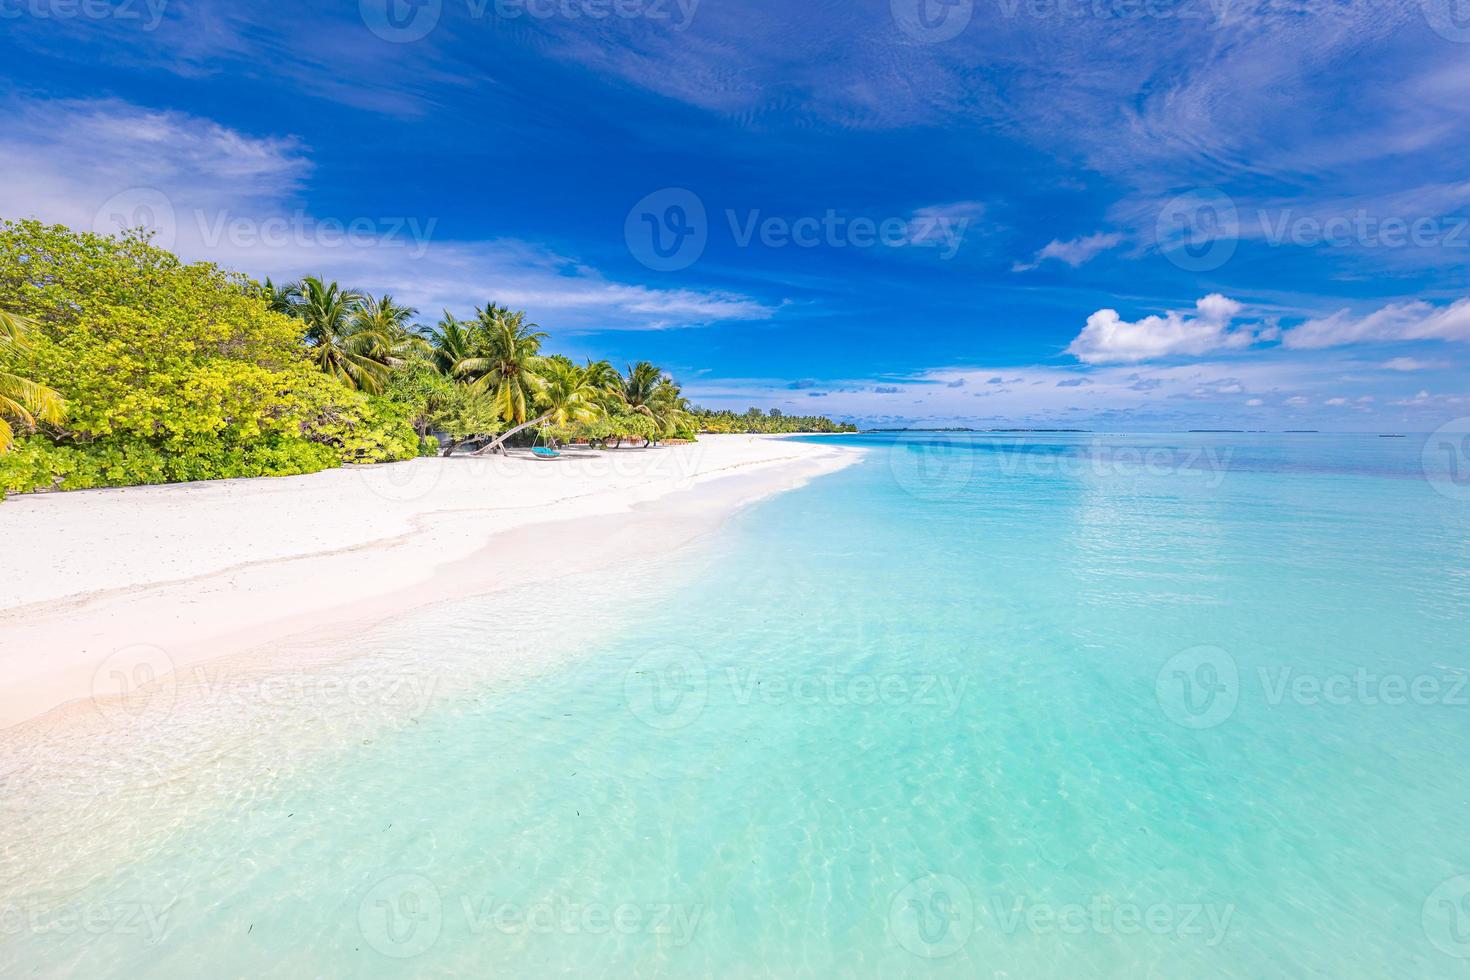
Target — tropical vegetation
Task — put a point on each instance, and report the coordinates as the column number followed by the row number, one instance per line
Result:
column 773, row 421
column 121, row 364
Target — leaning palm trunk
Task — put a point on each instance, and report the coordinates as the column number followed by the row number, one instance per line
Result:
column 499, row 443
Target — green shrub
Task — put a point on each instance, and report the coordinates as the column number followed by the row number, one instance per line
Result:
column 38, row 464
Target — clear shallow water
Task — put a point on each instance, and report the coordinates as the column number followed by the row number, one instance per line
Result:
column 978, row 706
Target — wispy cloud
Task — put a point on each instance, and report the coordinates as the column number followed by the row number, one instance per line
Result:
column 1074, row 251
column 1396, row 322
column 214, row 193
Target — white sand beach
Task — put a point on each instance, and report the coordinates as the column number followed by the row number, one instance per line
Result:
column 111, row 580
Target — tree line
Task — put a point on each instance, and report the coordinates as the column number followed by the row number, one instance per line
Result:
column 121, row 364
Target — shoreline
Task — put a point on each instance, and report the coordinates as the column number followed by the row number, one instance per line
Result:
column 390, row 539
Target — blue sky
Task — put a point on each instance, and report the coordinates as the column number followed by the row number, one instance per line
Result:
column 1117, row 214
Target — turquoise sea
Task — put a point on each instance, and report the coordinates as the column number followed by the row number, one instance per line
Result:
column 978, row 706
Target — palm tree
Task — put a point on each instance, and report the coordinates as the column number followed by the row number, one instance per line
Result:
column 453, row 343
column 640, row 386
column 21, row 398
column 382, row 316
column 280, row 299
column 342, row 346
column 568, row 395
column 647, row 391
column 506, row 365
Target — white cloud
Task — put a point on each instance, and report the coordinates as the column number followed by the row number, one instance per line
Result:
column 1335, row 402
column 1073, row 252
column 1408, row 364
column 1108, row 338
column 1297, row 401
column 70, row 161
column 217, row 194
column 1415, row 320
column 1254, row 402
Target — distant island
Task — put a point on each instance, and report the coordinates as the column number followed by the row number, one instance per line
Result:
column 965, row 428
